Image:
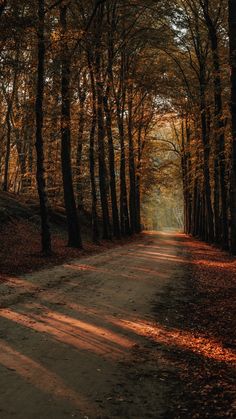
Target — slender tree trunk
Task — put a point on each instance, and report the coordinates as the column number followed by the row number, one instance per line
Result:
column 39, row 144
column 196, row 206
column 202, row 223
column 185, row 194
column 217, row 221
column 74, row 237
column 82, row 98
column 195, row 229
column 124, row 212
column 120, row 103
column 7, row 156
column 189, row 177
column 220, row 189
column 111, row 17
column 132, row 174
column 103, row 183
column 95, row 229
column 209, row 231
column 102, row 163
column 138, row 177
column 115, row 214
column 184, row 177
column 22, row 155
column 232, row 39
column 52, row 169
column 9, row 125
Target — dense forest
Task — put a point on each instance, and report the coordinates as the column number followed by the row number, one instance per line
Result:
column 108, row 105
column 117, row 209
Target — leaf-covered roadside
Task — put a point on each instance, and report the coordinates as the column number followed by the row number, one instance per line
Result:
column 201, row 306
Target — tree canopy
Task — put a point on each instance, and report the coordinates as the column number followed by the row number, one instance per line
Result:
column 123, row 109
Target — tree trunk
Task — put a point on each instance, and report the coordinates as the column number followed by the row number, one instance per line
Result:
column 82, row 98
column 138, row 176
column 220, row 189
column 232, row 40
column 40, row 173
column 9, row 125
column 95, row 229
column 74, row 237
column 103, row 184
column 111, row 17
column 184, row 177
column 124, row 213
column 209, row 231
column 115, row 214
column 132, row 174
column 8, row 153
column 120, row 103
column 217, row 222
column 102, row 163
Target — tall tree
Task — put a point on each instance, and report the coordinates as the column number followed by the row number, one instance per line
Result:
column 220, row 189
column 103, row 182
column 232, row 42
column 111, row 18
column 94, row 215
column 74, row 236
column 39, row 144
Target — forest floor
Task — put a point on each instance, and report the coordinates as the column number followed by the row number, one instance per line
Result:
column 143, row 330
column 20, row 247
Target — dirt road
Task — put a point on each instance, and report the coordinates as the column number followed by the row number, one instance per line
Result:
column 91, row 338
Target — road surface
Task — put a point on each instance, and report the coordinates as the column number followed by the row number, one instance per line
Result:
column 89, row 339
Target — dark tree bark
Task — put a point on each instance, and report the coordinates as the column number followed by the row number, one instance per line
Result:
column 184, row 177
column 120, row 98
column 186, row 174
column 189, row 175
column 74, row 237
column 195, row 224
column 39, row 144
column 115, row 214
column 232, row 40
column 216, row 207
column 201, row 49
column 209, row 229
column 138, row 175
column 220, row 189
column 108, row 113
column 95, row 229
column 102, row 163
column 196, row 209
column 82, row 99
column 8, row 153
column 9, row 124
column 142, row 132
column 132, row 169
column 103, row 183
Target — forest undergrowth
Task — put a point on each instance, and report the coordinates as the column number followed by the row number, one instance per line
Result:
column 23, row 224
